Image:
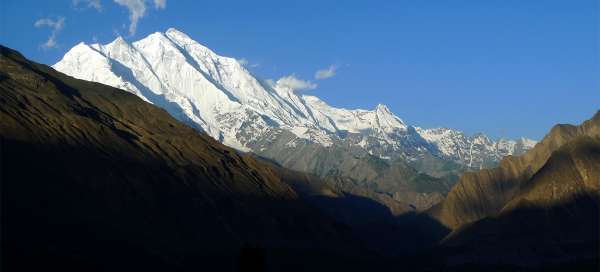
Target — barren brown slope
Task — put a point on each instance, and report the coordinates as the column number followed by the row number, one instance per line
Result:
column 571, row 171
column 95, row 178
column 41, row 106
column 486, row 192
column 554, row 219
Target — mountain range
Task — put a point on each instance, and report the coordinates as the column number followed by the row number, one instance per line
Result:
column 219, row 96
column 94, row 179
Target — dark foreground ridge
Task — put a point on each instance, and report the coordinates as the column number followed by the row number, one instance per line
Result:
column 95, row 179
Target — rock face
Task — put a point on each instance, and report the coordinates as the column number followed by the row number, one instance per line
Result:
column 218, row 95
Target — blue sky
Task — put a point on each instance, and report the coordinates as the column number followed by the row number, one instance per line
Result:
column 506, row 68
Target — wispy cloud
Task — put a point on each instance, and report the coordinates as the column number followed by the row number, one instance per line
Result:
column 246, row 62
column 270, row 82
column 293, row 83
column 56, row 26
column 243, row 61
column 160, row 4
column 326, row 73
column 89, row 3
column 137, row 10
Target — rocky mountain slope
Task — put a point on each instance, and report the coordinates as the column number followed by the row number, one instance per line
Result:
column 486, row 192
column 218, row 95
column 93, row 178
column 538, row 210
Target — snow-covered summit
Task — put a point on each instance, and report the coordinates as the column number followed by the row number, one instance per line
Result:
column 220, row 96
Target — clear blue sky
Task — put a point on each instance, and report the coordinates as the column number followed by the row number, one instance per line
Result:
column 507, row 68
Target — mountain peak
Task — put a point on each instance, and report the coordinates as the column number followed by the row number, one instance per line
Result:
column 78, row 47
column 173, row 30
column 382, row 108
column 155, row 35
column 118, row 41
column 186, row 41
column 217, row 95
column 175, row 34
column 154, row 42
column 388, row 119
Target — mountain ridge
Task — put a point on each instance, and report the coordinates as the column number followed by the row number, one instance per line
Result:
column 485, row 193
column 218, row 95
column 93, row 178
column 551, row 220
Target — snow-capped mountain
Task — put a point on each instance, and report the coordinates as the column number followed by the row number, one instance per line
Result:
column 220, row 96
column 473, row 151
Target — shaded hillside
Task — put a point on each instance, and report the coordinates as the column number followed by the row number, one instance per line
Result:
column 554, row 219
column 95, row 178
column 486, row 192
column 353, row 169
column 308, row 186
column 540, row 211
column 382, row 224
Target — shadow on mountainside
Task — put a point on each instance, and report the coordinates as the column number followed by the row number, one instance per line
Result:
column 131, row 218
column 388, row 235
column 54, row 217
column 559, row 237
column 531, row 236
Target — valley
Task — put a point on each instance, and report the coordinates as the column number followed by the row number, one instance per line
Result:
column 96, row 178
column 371, row 149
